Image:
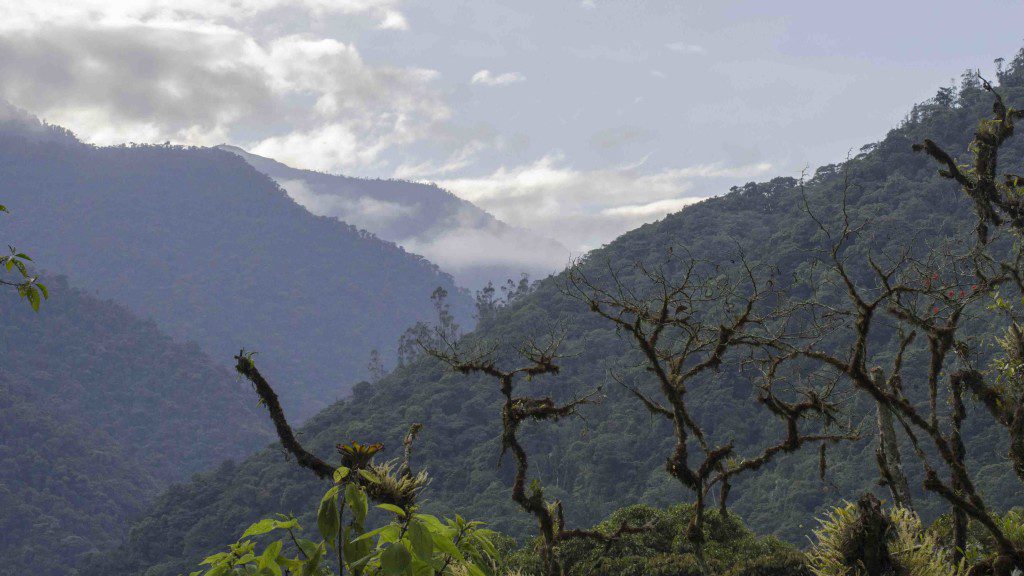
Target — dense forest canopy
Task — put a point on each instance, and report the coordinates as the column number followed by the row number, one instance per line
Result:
column 102, row 411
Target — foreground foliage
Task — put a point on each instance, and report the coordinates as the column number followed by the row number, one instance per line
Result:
column 407, row 542
column 27, row 284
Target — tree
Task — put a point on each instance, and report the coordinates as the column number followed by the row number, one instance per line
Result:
column 684, row 316
column 376, row 367
column 946, row 96
column 422, row 335
column 927, row 296
column 539, row 361
column 488, row 302
column 998, row 204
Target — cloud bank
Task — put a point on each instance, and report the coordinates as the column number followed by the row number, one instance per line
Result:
column 579, row 207
column 198, row 72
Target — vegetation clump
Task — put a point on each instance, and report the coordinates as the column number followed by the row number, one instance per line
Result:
column 862, row 540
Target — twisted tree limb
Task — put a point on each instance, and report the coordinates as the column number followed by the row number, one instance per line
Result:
column 247, row 368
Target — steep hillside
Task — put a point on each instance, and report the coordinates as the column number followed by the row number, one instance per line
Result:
column 215, row 251
column 463, row 239
column 99, row 411
column 616, row 455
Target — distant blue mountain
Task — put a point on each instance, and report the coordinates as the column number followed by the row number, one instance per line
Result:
column 215, row 251
column 463, row 239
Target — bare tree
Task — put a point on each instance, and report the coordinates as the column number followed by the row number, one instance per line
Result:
column 684, row 317
column 540, row 360
column 924, row 295
column 999, row 205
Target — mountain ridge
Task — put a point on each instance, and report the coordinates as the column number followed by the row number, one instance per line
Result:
column 462, row 238
column 215, row 251
column 100, row 414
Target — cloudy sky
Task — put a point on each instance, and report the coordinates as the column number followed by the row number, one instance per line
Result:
column 579, row 119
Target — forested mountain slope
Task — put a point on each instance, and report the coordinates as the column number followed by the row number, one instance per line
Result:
column 99, row 411
column 462, row 238
column 216, row 252
column 616, row 455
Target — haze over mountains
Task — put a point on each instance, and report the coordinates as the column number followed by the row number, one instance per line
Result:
column 617, row 454
column 464, row 240
column 215, row 251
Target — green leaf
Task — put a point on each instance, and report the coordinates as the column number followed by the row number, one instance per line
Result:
column 445, row 545
column 213, row 559
column 312, row 566
column 340, row 474
column 356, row 498
column 370, row 534
column 217, row 570
column 482, row 538
column 369, row 476
column 391, row 533
column 261, row 527
column 308, row 547
column 268, row 560
column 433, row 521
column 356, row 550
column 392, row 508
column 327, row 520
column 395, row 559
column 422, row 569
column 33, row 297
column 421, row 540
column 44, row 290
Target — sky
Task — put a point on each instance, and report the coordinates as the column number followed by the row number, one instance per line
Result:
column 578, row 119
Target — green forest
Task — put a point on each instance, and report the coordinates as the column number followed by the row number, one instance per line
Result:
column 819, row 375
column 802, row 376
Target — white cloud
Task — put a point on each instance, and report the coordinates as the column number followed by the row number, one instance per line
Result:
column 131, row 72
column 472, row 247
column 394, row 20
column 587, row 208
column 324, row 148
column 460, row 249
column 486, row 78
column 20, row 14
column 686, row 48
column 460, row 159
column 655, row 209
column 364, row 211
